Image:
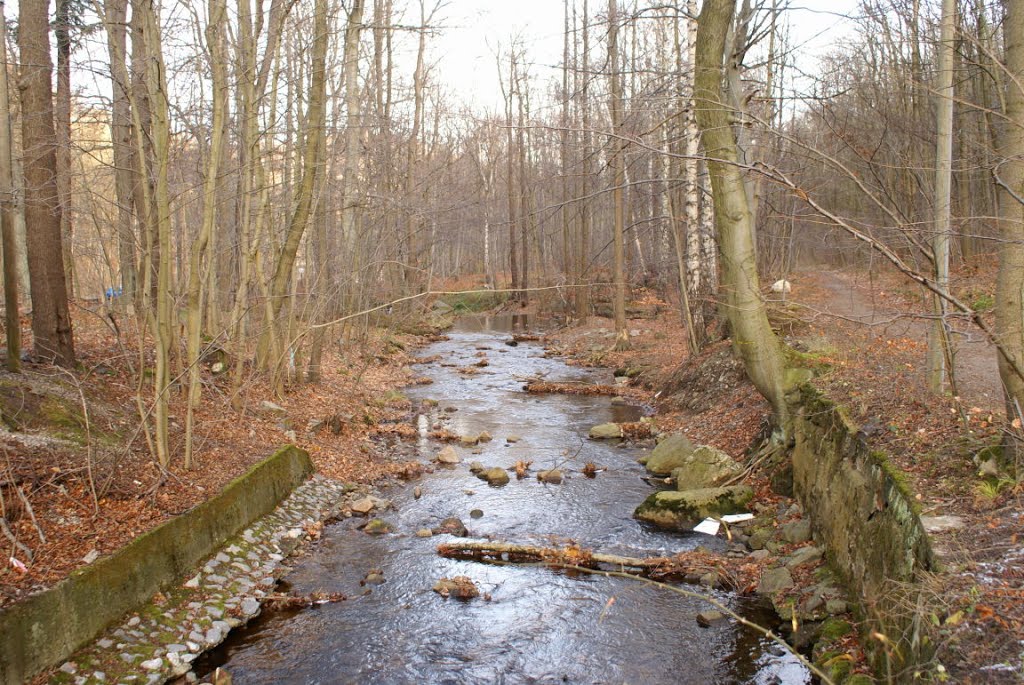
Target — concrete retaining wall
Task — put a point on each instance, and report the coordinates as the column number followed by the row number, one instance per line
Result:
column 46, row 628
column 867, row 521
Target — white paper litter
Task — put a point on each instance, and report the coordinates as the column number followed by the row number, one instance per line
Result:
column 710, row 526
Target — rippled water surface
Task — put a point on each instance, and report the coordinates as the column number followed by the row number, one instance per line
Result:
column 540, row 626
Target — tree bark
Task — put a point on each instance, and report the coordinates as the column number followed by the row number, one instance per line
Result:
column 62, row 114
column 12, row 317
column 617, row 162
column 752, row 336
column 116, row 13
column 51, row 320
column 1010, row 279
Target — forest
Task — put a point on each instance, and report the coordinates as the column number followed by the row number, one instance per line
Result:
column 229, row 225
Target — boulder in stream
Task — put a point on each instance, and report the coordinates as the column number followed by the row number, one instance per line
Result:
column 377, row 527
column 494, row 476
column 448, row 455
column 671, row 453
column 554, row 476
column 704, row 467
column 475, row 467
column 683, row 510
column 606, row 431
column 452, row 526
column 461, row 587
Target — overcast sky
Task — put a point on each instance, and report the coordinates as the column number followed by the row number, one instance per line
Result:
column 474, row 29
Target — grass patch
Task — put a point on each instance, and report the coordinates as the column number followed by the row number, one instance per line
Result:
column 474, row 302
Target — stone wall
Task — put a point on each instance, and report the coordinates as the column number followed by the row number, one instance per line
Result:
column 46, row 628
column 867, row 521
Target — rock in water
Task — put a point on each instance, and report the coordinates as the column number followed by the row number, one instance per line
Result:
column 377, row 527
column 671, row 453
column 363, row 506
column 606, row 431
column 683, row 510
column 494, row 476
column 704, row 467
column 448, row 455
column 475, row 467
column 452, row 526
column 554, row 476
column 484, row 437
column 705, row 619
column 461, row 587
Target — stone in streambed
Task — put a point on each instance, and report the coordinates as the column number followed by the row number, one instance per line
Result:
column 452, row 526
column 606, row 431
column 448, row 455
column 683, row 510
column 706, row 619
column 494, row 476
column 672, row 452
column 377, row 527
column 554, row 476
column 475, row 467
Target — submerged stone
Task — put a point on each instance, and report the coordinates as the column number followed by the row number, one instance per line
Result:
column 494, row 476
column 606, row 431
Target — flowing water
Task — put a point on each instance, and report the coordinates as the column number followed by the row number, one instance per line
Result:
column 540, row 626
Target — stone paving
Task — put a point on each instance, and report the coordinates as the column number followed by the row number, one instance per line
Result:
column 160, row 641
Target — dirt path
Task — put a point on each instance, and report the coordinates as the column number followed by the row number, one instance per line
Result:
column 875, row 311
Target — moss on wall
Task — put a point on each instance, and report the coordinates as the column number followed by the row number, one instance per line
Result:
column 863, row 513
column 46, row 628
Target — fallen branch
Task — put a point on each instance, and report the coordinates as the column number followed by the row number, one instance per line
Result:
column 303, row 601
column 680, row 565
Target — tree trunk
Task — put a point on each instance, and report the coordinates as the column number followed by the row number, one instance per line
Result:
column 62, row 114
column 940, row 355
column 1010, row 280
column 752, row 336
column 12, row 318
column 199, row 257
column 281, row 280
column 51, row 320
column 617, row 162
column 116, row 13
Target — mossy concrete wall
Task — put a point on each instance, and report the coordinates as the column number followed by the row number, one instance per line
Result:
column 866, row 519
column 46, row 628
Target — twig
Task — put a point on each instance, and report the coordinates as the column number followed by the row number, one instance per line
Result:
column 14, row 540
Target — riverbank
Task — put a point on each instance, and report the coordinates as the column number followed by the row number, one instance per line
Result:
column 83, row 483
column 872, row 366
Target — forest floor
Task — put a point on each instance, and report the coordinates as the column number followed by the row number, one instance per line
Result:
column 76, row 485
column 869, row 340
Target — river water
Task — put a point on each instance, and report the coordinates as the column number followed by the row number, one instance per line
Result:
column 539, row 626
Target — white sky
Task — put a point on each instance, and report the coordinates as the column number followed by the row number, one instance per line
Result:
column 464, row 54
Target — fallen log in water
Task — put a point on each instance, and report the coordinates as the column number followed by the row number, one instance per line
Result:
column 688, row 565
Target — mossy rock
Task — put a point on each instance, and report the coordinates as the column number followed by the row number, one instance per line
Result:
column 672, row 452
column 835, row 664
column 684, row 510
column 705, row 467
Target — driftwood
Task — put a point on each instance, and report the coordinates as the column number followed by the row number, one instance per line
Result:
column 678, row 566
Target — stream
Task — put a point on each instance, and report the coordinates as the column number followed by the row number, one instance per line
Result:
column 539, row 626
